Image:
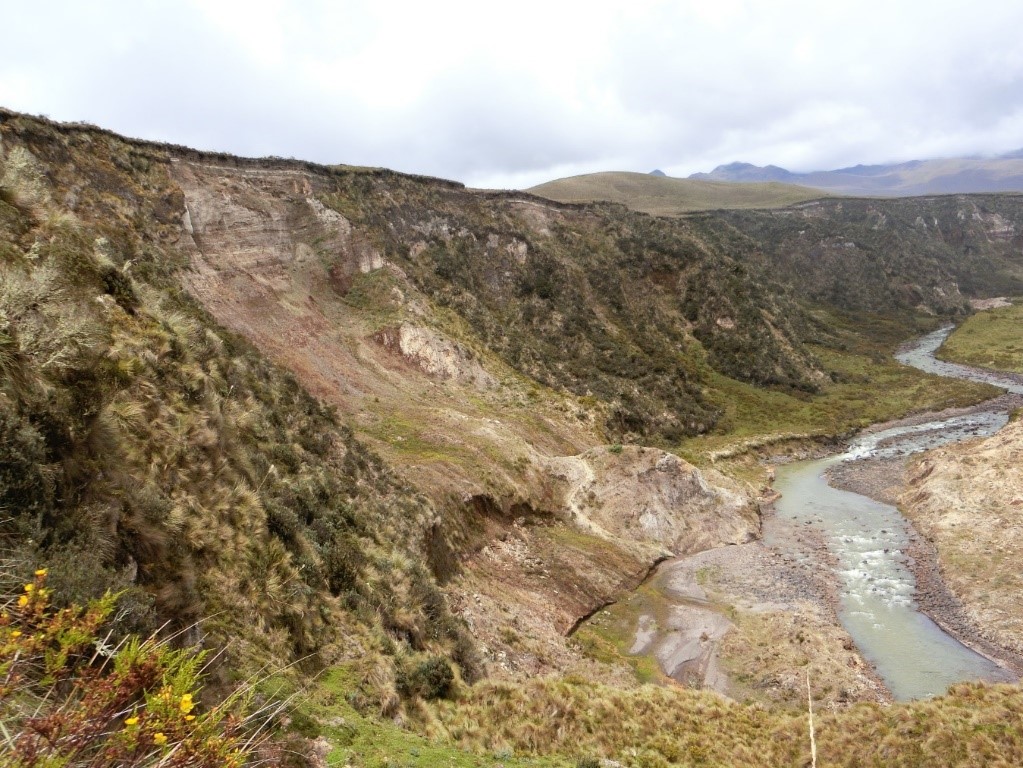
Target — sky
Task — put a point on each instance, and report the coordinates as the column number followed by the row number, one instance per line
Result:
column 511, row 94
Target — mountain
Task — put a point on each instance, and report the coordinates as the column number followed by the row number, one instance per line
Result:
column 661, row 195
column 398, row 439
column 746, row 172
column 918, row 177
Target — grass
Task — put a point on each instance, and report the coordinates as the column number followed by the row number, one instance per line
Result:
column 966, row 500
column 609, row 635
column 257, row 503
column 666, row 196
column 363, row 740
column 374, row 292
column 990, row 339
column 975, row 725
column 870, row 387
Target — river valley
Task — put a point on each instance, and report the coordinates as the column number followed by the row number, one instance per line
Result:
column 840, row 583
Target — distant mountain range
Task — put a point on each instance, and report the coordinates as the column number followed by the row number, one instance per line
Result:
column 1003, row 173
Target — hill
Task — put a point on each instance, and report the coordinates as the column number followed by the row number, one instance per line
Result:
column 667, row 196
column 917, row 177
column 860, row 254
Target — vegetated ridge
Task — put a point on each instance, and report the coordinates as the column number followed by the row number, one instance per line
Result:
column 400, row 430
column 661, row 195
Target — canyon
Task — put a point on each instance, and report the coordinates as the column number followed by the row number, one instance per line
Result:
column 373, row 421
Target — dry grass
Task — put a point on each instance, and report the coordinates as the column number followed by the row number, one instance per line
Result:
column 666, row 196
column 974, row 725
column 968, row 500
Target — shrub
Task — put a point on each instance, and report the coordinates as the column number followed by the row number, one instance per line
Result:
column 69, row 699
column 430, row 679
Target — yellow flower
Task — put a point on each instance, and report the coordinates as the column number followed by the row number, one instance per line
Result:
column 40, row 573
column 131, row 721
column 186, row 704
column 29, row 587
column 23, row 601
column 189, row 718
column 159, row 738
column 16, row 633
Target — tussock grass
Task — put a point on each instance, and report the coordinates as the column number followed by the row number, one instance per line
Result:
column 146, row 449
column 974, row 725
column 334, row 709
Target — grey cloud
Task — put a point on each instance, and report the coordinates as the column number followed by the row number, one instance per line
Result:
column 681, row 86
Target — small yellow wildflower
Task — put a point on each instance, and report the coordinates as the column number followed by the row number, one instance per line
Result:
column 186, row 704
column 131, row 721
column 16, row 633
column 40, row 573
column 159, row 738
column 189, row 718
column 23, row 601
column 29, row 587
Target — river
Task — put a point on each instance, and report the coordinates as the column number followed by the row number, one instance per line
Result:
column 869, row 540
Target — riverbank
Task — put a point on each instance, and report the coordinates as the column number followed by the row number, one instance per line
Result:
column 782, row 611
column 886, row 479
column 751, row 620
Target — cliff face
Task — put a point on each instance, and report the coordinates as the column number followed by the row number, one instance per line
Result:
column 334, row 302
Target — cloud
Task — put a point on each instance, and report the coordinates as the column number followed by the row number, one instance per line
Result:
column 517, row 93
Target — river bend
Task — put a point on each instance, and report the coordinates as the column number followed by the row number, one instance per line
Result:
column 869, row 540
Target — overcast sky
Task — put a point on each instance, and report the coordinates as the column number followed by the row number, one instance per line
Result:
column 514, row 93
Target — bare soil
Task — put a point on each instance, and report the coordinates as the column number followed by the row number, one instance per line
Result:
column 777, row 617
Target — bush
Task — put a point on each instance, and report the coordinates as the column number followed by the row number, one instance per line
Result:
column 119, row 285
column 430, row 679
column 68, row 699
column 23, row 483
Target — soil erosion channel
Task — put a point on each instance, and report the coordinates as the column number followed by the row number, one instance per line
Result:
column 836, row 551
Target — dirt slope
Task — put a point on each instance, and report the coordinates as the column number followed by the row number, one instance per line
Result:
column 968, row 500
column 538, row 522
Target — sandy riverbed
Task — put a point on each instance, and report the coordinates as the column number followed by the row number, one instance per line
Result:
column 749, row 621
